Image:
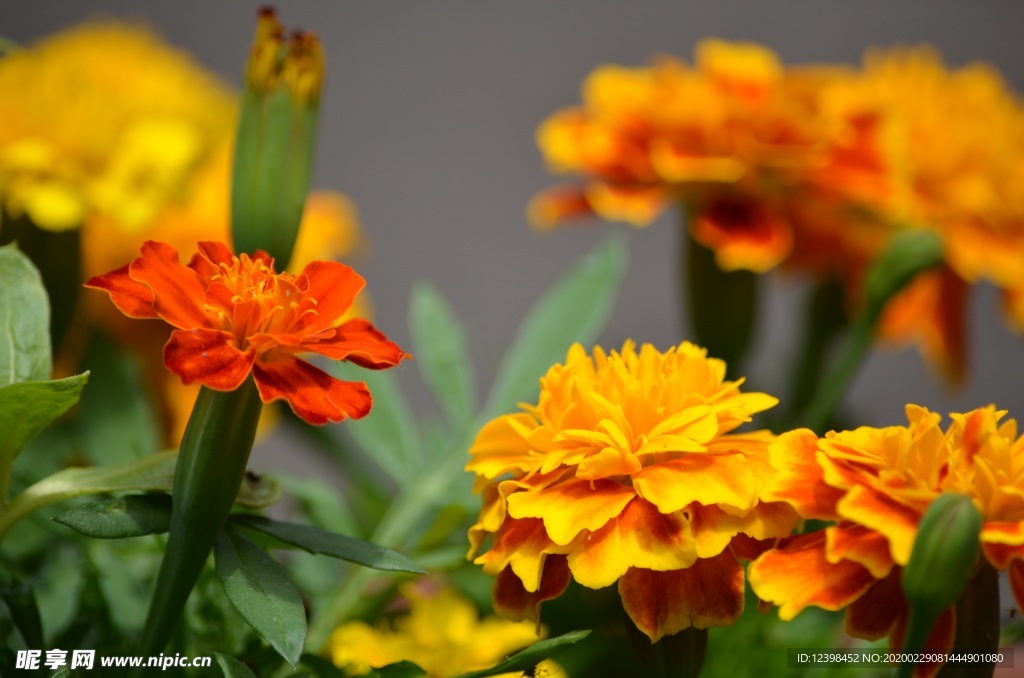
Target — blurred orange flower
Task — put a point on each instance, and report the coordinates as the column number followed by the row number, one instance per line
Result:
column 236, row 315
column 877, row 484
column 627, row 470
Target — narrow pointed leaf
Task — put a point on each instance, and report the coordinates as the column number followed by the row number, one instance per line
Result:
column 439, row 344
column 263, row 593
column 575, row 309
column 316, row 540
column 24, row 320
column 232, row 668
column 531, row 656
column 129, row 516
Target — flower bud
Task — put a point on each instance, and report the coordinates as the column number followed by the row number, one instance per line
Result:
column 274, row 145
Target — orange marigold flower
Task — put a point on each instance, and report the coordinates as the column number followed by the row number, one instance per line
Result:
column 236, row 315
column 877, row 484
column 628, row 470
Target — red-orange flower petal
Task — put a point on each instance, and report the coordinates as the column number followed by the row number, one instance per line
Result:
column 132, row 298
column 798, row 477
column 178, row 293
column 208, row 357
column 709, row 593
column 313, row 395
column 874, row 614
column 513, row 601
column 744, row 234
column 359, row 342
column 334, row 286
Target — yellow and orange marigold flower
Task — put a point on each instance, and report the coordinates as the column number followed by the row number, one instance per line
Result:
column 877, row 484
column 628, row 470
column 441, row 632
column 236, row 315
column 746, row 144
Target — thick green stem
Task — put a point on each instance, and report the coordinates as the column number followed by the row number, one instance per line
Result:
column 211, row 465
column 721, row 305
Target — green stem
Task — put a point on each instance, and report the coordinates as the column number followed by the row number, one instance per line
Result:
column 831, row 389
column 211, row 465
column 977, row 623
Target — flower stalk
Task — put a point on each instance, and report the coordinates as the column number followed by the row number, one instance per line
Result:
column 211, row 466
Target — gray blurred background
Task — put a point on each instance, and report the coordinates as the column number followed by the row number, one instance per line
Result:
column 428, row 124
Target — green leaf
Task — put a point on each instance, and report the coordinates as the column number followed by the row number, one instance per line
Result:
column 232, row 668
column 323, row 503
column 124, row 582
column 262, row 592
column 574, row 310
column 397, row 670
column 321, row 667
column 723, row 304
column 27, row 407
column 116, row 422
column 128, row 516
column 439, row 345
column 154, row 472
column 388, row 434
column 315, row 540
column 24, row 612
column 24, row 320
column 531, row 656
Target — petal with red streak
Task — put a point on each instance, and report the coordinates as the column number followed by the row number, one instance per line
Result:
column 709, row 593
column 640, row 537
column 1011, row 534
column 359, row 342
column 798, row 476
column 178, row 292
column 315, row 396
column 208, row 357
column 861, row 545
column 132, row 298
column 798, row 574
column 745, row 234
column 707, row 479
column 884, row 514
column 513, row 601
column 334, row 286
column 572, row 506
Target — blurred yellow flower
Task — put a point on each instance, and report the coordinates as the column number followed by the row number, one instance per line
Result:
column 106, row 118
column 442, row 633
column 628, row 470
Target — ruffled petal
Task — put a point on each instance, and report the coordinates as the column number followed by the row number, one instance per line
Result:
column 514, row 602
column 334, row 286
column 641, row 537
column 359, row 342
column 707, row 479
column 745, row 234
column 709, row 593
column 178, row 292
column 315, row 396
column 799, row 574
column 797, row 479
column 861, row 545
column 132, row 298
column 884, row 514
column 502, row 446
column 572, row 506
column 208, row 357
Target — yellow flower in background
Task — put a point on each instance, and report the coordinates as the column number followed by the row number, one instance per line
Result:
column 628, row 470
column 106, row 118
column 442, row 632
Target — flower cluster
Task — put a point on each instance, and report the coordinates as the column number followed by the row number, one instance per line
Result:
column 628, row 470
column 813, row 168
column 876, row 484
column 236, row 315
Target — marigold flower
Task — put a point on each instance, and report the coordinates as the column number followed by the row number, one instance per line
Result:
column 236, row 315
column 627, row 470
column 153, row 116
column 877, row 484
column 442, row 633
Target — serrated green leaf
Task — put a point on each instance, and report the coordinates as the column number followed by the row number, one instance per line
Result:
column 24, row 320
column 397, row 670
column 531, row 656
column 129, row 516
column 116, row 422
column 232, row 668
column 316, row 540
column 388, row 434
column 439, row 344
column 26, row 408
column 263, row 593
column 574, row 310
column 154, row 472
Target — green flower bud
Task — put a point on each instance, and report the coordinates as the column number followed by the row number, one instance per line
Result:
column 276, row 133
